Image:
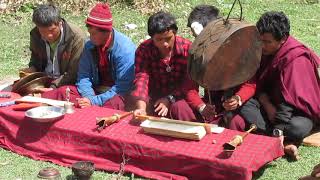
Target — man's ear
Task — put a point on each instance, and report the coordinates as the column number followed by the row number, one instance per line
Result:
column 59, row 23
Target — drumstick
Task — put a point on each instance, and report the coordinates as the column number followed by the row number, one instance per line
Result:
column 102, row 122
column 238, row 139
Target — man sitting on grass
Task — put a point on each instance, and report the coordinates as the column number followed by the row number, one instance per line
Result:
column 55, row 45
column 161, row 71
column 198, row 19
column 106, row 68
column 288, row 85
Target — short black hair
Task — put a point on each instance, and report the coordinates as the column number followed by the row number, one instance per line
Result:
column 161, row 22
column 203, row 14
column 45, row 15
column 276, row 23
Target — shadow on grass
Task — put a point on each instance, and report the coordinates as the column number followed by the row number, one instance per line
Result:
column 258, row 174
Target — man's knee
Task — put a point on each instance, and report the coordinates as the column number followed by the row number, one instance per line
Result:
column 181, row 110
column 299, row 128
column 237, row 123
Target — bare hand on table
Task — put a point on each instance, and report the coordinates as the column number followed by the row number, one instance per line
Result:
column 139, row 112
column 83, row 102
column 162, row 106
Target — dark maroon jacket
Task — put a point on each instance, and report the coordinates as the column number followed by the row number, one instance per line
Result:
column 292, row 75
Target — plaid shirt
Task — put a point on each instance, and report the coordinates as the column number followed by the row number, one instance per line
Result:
column 152, row 80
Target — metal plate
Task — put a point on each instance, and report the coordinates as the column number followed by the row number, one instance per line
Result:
column 31, row 87
column 45, row 113
column 17, row 85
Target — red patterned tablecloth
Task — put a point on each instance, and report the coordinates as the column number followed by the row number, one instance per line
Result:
column 73, row 138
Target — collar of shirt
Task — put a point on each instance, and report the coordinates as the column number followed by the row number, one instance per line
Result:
column 106, row 46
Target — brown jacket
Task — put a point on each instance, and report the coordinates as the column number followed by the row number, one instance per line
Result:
column 69, row 52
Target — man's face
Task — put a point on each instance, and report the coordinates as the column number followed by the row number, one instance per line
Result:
column 164, row 42
column 97, row 36
column 269, row 44
column 50, row 33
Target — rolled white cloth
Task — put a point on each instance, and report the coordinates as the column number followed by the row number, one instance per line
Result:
column 197, row 27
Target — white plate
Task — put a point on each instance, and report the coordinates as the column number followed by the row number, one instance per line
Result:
column 45, row 113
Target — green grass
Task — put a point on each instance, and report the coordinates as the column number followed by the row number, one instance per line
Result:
column 13, row 166
column 14, row 54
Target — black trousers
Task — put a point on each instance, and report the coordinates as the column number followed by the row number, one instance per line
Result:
column 294, row 123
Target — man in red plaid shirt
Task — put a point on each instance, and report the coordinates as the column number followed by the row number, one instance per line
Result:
column 161, row 79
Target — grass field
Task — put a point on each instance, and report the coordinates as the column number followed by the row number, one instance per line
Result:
column 14, row 54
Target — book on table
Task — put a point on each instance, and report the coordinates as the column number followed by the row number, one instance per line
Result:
column 178, row 130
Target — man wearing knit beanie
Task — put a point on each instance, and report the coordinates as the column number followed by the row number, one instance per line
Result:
column 106, row 68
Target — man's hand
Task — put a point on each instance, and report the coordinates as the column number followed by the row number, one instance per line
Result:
column 209, row 112
column 83, row 102
column 231, row 103
column 42, row 90
column 268, row 107
column 316, row 171
column 139, row 112
column 162, row 106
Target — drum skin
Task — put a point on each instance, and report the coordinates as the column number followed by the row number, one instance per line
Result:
column 225, row 55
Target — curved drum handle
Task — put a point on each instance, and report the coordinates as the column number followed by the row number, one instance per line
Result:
column 240, row 19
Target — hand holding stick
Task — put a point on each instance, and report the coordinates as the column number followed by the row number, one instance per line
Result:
column 238, row 139
column 102, row 122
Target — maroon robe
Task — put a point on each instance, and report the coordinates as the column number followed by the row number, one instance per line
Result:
column 293, row 72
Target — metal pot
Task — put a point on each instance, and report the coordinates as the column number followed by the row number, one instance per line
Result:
column 49, row 173
column 25, row 79
column 83, row 169
column 32, row 86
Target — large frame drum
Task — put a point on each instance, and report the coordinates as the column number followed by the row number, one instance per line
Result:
column 225, row 54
